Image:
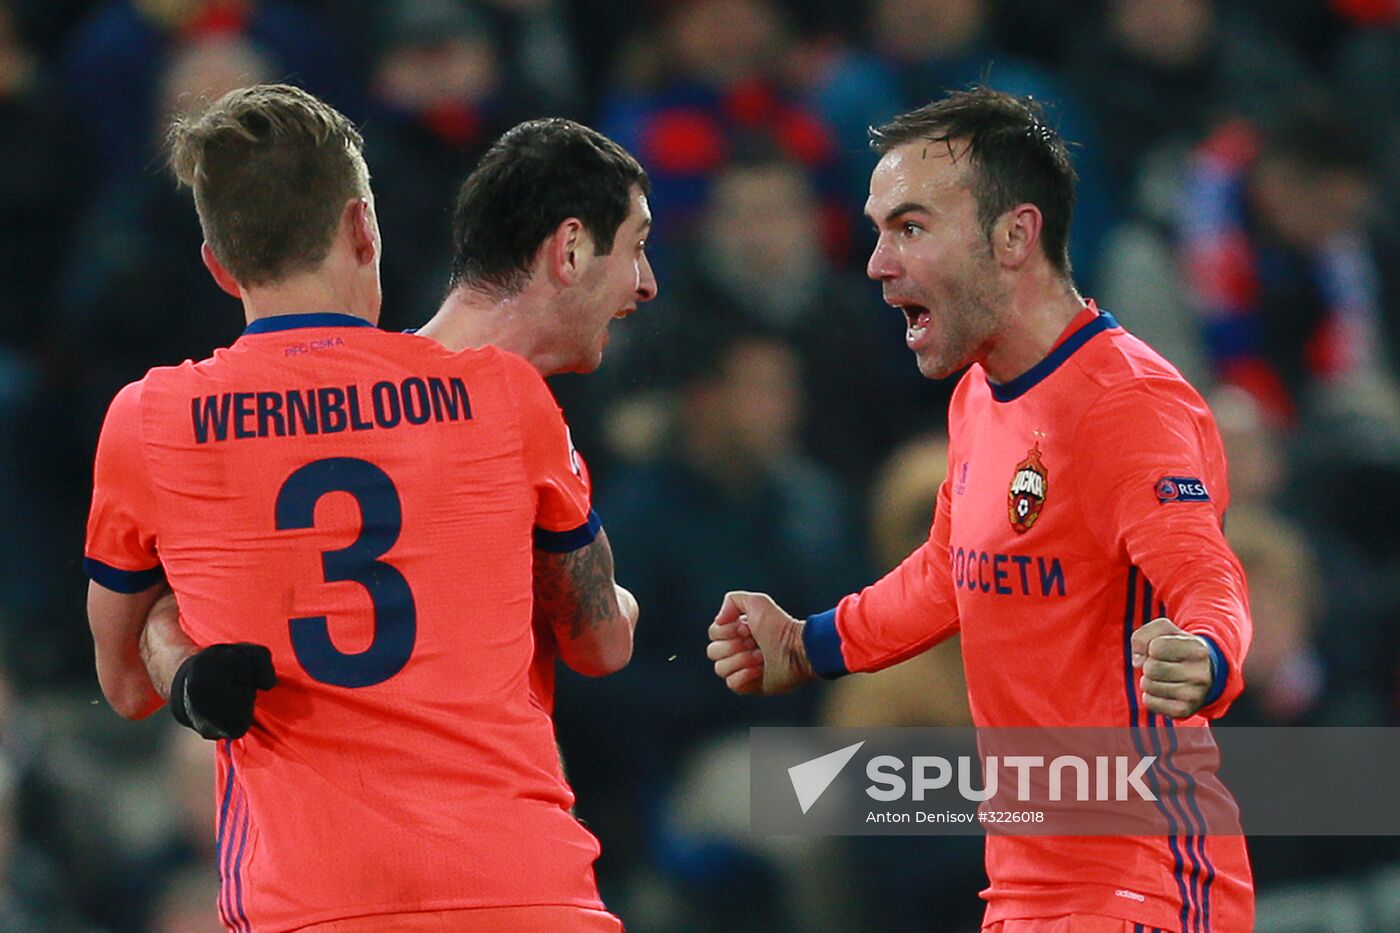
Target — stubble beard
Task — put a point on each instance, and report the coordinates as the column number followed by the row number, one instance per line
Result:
column 976, row 300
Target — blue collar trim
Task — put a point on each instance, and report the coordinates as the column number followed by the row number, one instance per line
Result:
column 1010, row 391
column 266, row 325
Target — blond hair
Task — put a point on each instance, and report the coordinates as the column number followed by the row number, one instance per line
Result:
column 271, row 167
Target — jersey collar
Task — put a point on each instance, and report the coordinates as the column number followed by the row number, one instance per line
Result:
column 266, row 325
column 1014, row 389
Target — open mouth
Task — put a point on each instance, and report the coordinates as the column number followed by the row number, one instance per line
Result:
column 917, row 316
column 623, row 313
column 917, row 319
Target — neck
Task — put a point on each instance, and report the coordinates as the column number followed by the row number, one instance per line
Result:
column 469, row 319
column 308, row 293
column 1040, row 312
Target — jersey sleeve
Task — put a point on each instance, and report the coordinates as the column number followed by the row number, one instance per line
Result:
column 909, row 610
column 1152, row 469
column 564, row 516
column 120, row 552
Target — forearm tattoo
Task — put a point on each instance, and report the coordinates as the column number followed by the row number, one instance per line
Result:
column 577, row 587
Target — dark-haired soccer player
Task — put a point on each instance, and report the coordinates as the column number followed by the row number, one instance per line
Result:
column 363, row 508
column 1076, row 544
column 549, row 246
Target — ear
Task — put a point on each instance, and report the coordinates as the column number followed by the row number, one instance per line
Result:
column 220, row 274
column 359, row 219
column 567, row 251
column 1016, row 236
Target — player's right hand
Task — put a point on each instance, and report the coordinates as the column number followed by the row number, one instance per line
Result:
column 757, row 647
column 214, row 689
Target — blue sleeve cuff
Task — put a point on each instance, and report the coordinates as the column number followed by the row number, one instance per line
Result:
column 1219, row 670
column 564, row 542
column 122, row 581
column 823, row 645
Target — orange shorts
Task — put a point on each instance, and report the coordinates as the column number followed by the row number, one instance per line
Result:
column 1071, row 923
column 479, row 920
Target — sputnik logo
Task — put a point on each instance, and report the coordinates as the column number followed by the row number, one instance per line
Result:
column 810, row 779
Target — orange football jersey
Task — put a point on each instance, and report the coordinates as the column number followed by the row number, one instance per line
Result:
column 365, row 504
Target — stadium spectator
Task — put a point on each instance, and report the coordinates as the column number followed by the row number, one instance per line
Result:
column 1287, row 284
column 1140, row 281
column 132, row 280
column 1298, row 301
column 441, row 92
column 711, row 76
column 756, row 261
column 1160, row 73
column 1158, row 76
column 917, row 48
column 114, row 62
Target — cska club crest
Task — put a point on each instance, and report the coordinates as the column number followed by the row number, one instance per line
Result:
column 1027, row 494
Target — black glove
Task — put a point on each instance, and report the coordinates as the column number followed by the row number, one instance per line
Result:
column 213, row 691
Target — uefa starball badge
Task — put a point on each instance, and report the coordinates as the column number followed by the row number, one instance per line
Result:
column 1027, row 494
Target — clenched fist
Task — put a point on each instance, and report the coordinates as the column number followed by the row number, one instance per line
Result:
column 757, row 647
column 1176, row 668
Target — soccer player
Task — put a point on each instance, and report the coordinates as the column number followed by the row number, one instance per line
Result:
column 361, row 507
column 549, row 246
column 1076, row 544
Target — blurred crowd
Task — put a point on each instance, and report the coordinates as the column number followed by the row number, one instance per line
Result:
column 761, row 424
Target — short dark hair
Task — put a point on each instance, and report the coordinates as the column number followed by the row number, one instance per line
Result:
column 1017, row 157
column 271, row 167
column 536, row 176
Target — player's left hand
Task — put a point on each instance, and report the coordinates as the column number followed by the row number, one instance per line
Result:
column 1175, row 665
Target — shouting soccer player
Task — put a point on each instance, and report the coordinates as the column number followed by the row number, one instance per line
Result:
column 1076, row 544
column 549, row 246
column 363, row 508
